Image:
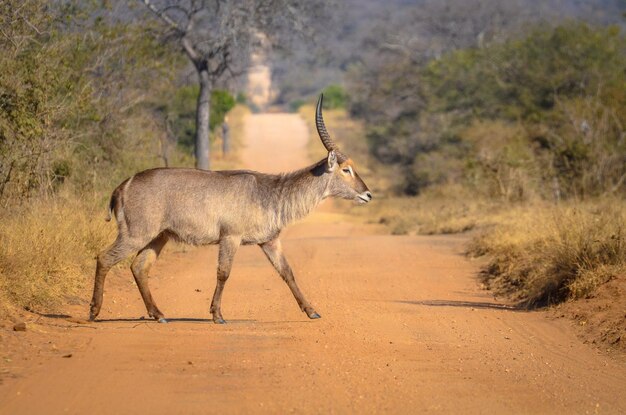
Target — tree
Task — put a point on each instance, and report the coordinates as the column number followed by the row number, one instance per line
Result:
column 539, row 114
column 73, row 78
column 218, row 36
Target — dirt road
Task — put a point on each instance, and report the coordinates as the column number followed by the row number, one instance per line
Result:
column 404, row 329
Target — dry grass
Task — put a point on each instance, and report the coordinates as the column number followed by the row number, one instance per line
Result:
column 47, row 251
column 441, row 210
column 544, row 254
column 48, row 246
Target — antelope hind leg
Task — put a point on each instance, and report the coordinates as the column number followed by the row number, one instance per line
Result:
column 119, row 250
column 140, row 268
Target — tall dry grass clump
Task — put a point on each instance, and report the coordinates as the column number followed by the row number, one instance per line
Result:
column 547, row 254
column 47, row 251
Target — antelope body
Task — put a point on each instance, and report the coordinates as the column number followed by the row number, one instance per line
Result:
column 229, row 208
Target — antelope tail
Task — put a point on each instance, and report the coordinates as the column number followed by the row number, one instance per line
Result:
column 111, row 209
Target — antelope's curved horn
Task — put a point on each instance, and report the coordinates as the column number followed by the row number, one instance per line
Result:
column 324, row 136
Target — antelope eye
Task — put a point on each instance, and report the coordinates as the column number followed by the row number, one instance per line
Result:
column 346, row 170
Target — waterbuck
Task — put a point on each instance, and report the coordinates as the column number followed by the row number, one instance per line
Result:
column 229, row 208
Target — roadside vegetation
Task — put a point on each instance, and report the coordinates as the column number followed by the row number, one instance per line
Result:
column 520, row 140
column 84, row 103
column 544, row 254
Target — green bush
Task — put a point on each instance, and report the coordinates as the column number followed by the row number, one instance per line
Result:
column 181, row 113
column 67, row 114
column 335, row 97
column 221, row 102
column 561, row 89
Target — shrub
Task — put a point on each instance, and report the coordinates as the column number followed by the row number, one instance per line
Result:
column 555, row 100
column 47, row 250
column 79, row 111
column 221, row 102
column 64, row 109
column 543, row 255
column 335, row 97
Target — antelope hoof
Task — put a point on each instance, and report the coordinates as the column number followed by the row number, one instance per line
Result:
column 157, row 315
column 92, row 315
column 313, row 315
column 219, row 320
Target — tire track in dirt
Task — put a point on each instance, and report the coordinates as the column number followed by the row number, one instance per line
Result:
column 404, row 329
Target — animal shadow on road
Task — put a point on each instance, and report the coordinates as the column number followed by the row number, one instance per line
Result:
column 144, row 319
column 52, row 315
column 465, row 304
column 141, row 319
column 169, row 320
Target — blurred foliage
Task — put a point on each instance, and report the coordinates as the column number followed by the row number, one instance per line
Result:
column 77, row 101
column 241, row 98
column 335, row 97
column 221, row 102
column 540, row 115
column 87, row 98
column 524, row 78
column 181, row 113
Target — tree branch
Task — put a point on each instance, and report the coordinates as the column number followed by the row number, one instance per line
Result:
column 190, row 51
column 186, row 43
column 161, row 14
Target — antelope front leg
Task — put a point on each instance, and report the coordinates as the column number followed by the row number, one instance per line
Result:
column 228, row 248
column 274, row 253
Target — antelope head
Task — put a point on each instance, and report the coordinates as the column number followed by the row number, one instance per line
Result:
column 345, row 182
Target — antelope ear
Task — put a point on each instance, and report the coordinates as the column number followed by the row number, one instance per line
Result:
column 332, row 160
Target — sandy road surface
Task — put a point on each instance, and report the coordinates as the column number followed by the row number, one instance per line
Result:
column 404, row 329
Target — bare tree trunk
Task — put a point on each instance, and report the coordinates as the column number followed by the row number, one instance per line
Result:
column 202, row 121
column 225, row 137
column 165, row 140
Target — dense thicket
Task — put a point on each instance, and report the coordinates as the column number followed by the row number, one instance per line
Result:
column 79, row 98
column 365, row 31
column 88, row 96
column 544, row 114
